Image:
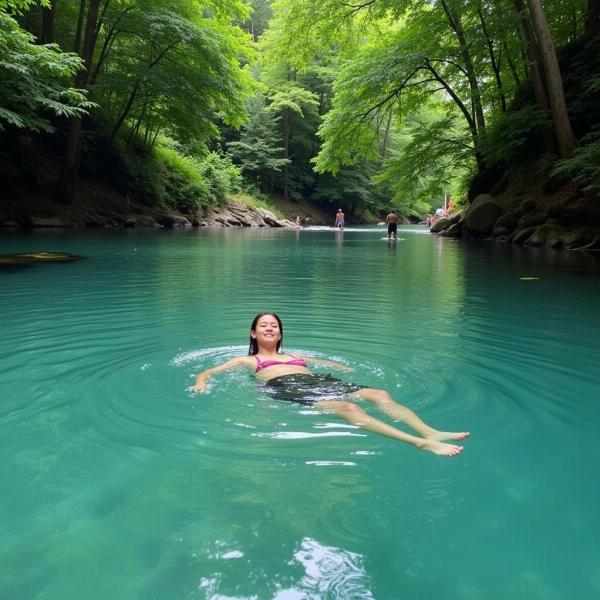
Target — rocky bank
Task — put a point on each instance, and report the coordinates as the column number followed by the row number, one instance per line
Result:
column 565, row 219
column 110, row 212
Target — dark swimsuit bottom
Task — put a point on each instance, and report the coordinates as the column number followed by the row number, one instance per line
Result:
column 305, row 388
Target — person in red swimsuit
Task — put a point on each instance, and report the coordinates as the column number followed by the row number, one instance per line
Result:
column 288, row 377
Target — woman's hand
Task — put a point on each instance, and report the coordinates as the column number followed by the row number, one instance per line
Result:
column 199, row 386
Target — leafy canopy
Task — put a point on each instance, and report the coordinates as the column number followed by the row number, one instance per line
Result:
column 34, row 79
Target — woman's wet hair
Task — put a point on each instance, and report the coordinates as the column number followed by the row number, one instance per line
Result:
column 253, row 348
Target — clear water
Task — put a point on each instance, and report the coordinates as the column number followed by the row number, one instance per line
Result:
column 118, row 483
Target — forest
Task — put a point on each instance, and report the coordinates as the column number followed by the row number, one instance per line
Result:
column 361, row 104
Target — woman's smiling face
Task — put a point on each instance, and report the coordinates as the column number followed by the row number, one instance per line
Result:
column 267, row 330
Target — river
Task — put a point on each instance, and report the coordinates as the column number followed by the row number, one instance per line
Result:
column 119, row 483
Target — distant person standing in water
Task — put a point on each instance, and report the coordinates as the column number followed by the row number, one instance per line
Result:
column 340, row 218
column 298, row 221
column 392, row 224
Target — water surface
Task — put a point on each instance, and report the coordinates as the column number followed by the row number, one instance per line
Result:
column 118, row 483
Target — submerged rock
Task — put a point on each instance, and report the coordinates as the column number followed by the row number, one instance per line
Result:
column 36, row 257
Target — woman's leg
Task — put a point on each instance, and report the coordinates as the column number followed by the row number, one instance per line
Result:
column 386, row 404
column 357, row 416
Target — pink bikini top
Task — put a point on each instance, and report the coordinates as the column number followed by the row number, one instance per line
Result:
column 263, row 364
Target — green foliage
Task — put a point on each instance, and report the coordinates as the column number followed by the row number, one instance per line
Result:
column 165, row 176
column 255, row 199
column 167, row 69
column 222, row 176
column 584, row 165
column 257, row 22
column 366, row 105
column 512, row 134
column 292, row 99
column 430, row 159
column 367, row 91
column 34, row 80
column 183, row 185
column 302, row 29
column 258, row 150
column 351, row 188
column 19, row 6
column 298, row 109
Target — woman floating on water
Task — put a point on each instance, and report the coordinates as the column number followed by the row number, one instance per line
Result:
column 287, row 377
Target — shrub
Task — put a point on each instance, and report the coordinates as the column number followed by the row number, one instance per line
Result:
column 221, row 175
column 584, row 165
column 184, row 186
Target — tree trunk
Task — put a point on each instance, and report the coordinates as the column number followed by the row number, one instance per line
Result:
column 554, row 86
column 287, row 126
column 110, row 36
column 465, row 111
column 494, row 62
column 592, row 18
column 536, row 73
column 79, row 29
column 48, row 13
column 383, row 149
column 125, row 112
column 65, row 189
column 476, row 103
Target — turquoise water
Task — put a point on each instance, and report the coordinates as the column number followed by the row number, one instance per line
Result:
column 118, row 483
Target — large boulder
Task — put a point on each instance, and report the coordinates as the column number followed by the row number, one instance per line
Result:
column 173, row 220
column 482, row 214
column 454, row 231
column 506, row 224
column 245, row 216
column 270, row 219
column 547, row 235
column 440, row 225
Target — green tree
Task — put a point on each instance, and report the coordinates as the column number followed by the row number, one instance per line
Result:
column 155, row 66
column 34, row 79
column 291, row 102
column 258, row 150
column 65, row 188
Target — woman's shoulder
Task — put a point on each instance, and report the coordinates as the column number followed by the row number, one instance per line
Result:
column 245, row 360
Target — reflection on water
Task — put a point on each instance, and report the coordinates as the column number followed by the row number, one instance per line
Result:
column 322, row 572
column 111, row 466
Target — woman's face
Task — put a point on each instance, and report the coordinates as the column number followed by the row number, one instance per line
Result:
column 267, row 330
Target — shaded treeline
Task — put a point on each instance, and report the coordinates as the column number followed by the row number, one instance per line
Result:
column 359, row 105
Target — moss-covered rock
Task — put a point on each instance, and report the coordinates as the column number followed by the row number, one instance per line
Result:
column 522, row 235
column 547, row 235
column 581, row 238
column 481, row 216
column 505, row 224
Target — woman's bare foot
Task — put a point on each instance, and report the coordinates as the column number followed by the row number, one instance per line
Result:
column 440, row 436
column 440, row 448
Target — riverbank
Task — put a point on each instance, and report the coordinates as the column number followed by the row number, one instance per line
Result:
column 563, row 218
column 98, row 205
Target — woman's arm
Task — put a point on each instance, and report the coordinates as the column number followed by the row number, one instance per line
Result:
column 232, row 363
column 311, row 360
